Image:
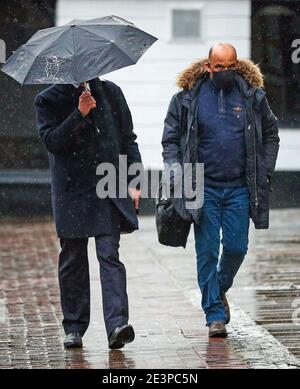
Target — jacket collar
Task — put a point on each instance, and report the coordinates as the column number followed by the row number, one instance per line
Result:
column 190, row 95
column 248, row 90
column 249, row 71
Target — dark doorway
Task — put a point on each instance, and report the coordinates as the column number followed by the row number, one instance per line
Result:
column 275, row 29
column 20, row 147
column 24, row 182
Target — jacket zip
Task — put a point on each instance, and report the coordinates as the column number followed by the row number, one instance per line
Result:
column 255, row 167
column 221, row 102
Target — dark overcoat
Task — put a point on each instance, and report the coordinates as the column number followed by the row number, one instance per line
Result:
column 75, row 149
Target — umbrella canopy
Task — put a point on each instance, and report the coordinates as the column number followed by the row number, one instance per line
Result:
column 78, row 51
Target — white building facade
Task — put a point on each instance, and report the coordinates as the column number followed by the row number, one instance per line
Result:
column 185, row 31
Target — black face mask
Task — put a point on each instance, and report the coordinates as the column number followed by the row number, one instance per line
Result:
column 224, row 80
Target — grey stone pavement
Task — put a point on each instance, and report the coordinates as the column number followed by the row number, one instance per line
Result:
column 164, row 303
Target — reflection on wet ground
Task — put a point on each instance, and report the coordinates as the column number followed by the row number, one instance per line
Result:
column 164, row 303
column 268, row 285
column 83, row 359
column 118, row 360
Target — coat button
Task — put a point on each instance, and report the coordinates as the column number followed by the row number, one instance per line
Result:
column 249, row 127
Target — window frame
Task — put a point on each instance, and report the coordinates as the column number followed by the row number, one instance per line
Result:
column 185, row 6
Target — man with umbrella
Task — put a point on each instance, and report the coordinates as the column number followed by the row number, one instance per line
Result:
column 81, row 129
column 75, row 149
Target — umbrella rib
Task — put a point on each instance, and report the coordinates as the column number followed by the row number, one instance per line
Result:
column 54, row 30
column 45, row 48
column 50, row 43
column 114, row 43
column 29, row 69
column 75, row 62
column 90, row 32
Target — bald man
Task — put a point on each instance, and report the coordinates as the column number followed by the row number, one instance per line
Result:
column 221, row 117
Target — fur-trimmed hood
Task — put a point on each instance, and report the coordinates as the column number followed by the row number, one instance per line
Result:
column 246, row 68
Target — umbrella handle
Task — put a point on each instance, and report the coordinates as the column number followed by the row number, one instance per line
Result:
column 86, row 89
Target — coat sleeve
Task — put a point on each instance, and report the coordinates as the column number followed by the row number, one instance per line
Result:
column 57, row 136
column 129, row 144
column 270, row 136
column 129, row 137
column 172, row 134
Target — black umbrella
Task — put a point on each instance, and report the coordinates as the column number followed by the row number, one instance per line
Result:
column 78, row 51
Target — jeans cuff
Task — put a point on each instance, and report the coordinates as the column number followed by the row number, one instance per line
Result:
column 215, row 318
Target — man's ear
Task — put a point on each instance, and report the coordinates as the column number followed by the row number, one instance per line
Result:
column 207, row 67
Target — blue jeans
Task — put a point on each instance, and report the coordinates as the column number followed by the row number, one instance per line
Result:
column 225, row 209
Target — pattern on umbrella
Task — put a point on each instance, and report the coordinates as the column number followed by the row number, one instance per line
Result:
column 52, row 67
column 78, row 51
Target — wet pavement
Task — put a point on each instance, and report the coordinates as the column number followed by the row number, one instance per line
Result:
column 164, row 303
column 268, row 285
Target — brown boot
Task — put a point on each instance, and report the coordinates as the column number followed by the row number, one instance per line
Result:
column 226, row 307
column 217, row 330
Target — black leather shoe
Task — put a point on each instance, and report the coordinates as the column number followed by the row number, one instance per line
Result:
column 121, row 336
column 72, row 340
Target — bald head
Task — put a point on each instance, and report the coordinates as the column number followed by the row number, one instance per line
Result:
column 222, row 56
column 222, row 49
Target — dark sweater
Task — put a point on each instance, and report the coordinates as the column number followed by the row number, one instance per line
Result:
column 221, row 119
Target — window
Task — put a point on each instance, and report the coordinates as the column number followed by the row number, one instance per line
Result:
column 186, row 24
